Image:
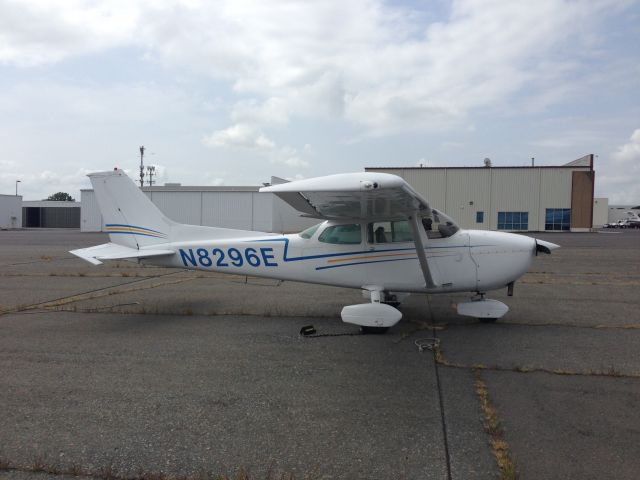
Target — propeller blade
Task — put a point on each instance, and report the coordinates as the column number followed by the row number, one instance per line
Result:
column 545, row 247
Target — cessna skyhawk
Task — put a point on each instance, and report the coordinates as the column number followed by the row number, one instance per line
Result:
column 378, row 235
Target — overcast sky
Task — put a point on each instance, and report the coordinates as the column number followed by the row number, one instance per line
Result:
column 234, row 92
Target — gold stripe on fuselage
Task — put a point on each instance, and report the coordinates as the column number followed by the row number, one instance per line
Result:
column 370, row 256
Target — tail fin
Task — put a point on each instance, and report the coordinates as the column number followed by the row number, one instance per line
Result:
column 130, row 218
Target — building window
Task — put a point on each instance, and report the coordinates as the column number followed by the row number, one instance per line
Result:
column 557, row 219
column 513, row 220
column 341, row 234
column 479, row 217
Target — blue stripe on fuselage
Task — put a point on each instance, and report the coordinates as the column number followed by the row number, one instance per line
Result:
column 342, row 254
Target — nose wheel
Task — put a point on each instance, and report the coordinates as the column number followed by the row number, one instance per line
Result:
column 373, row 330
column 485, row 310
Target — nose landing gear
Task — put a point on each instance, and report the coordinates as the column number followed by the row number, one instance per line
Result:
column 485, row 310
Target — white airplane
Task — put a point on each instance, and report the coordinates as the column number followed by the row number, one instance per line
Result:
column 378, row 235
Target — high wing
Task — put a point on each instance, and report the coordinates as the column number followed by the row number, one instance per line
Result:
column 112, row 251
column 364, row 196
column 357, row 196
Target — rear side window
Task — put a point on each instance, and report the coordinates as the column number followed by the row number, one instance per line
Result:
column 342, row 234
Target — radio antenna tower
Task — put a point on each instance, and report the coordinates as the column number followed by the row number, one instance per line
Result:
column 151, row 170
column 141, row 166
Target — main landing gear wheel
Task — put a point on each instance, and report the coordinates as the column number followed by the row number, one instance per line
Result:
column 373, row 330
column 488, row 320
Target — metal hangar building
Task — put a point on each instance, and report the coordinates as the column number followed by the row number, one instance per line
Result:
column 241, row 208
column 535, row 198
column 551, row 198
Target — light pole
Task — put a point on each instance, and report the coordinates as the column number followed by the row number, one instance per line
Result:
column 17, row 182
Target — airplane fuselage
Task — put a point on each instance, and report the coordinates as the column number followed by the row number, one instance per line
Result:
column 469, row 260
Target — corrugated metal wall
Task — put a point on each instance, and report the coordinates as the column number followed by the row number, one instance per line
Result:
column 186, row 206
column 90, row 217
column 10, row 211
column 467, row 195
column 228, row 210
column 555, row 191
column 51, row 217
column 515, row 191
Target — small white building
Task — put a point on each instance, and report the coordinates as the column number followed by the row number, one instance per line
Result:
column 600, row 212
column 10, row 211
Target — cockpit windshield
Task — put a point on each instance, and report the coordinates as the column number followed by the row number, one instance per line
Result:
column 309, row 232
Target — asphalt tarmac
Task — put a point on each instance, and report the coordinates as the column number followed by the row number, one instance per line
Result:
column 125, row 371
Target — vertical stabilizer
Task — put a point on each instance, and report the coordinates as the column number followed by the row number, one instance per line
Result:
column 130, row 218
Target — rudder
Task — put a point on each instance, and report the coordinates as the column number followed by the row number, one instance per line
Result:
column 130, row 218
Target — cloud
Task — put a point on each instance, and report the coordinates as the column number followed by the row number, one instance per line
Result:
column 36, row 33
column 215, row 181
column 55, row 127
column 273, row 111
column 620, row 174
column 383, row 68
column 240, row 136
column 290, row 157
column 249, row 138
column 275, row 75
column 31, row 184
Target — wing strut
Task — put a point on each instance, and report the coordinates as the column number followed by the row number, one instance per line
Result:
column 422, row 257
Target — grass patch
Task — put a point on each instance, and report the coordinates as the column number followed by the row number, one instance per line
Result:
column 492, row 426
column 39, row 465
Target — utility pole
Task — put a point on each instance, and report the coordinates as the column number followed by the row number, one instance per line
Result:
column 141, row 166
column 151, row 170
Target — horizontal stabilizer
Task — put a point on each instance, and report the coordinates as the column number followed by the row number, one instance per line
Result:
column 112, row 251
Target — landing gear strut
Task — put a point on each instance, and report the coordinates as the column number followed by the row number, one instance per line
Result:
column 391, row 299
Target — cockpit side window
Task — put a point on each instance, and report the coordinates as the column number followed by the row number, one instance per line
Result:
column 389, row 232
column 437, row 226
column 350, row 234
